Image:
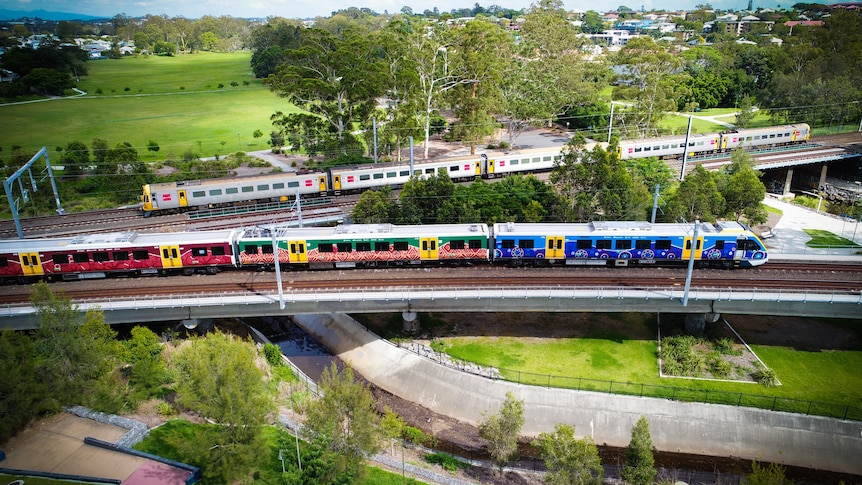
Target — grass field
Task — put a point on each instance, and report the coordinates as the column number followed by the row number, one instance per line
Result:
column 202, row 117
column 827, row 376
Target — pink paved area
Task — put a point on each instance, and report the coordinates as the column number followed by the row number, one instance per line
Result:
column 57, row 445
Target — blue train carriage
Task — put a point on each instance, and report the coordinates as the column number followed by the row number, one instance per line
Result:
column 621, row 243
column 281, row 186
column 366, row 245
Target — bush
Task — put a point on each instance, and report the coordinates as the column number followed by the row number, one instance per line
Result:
column 418, row 437
column 448, row 462
column 165, row 409
column 766, row 377
column 273, row 355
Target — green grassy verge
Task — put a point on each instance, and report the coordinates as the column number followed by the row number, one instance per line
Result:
column 202, row 117
column 628, row 365
column 826, row 239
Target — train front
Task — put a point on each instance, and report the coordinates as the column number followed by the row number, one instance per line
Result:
column 751, row 252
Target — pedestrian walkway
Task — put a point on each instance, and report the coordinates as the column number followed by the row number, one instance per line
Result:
column 790, row 237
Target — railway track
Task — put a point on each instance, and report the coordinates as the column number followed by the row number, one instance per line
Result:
column 789, row 276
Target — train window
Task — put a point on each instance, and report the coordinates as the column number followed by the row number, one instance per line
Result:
column 363, row 246
column 100, row 257
column 266, row 248
column 642, row 244
column 417, row 172
column 558, row 157
column 247, row 188
column 429, row 170
column 230, row 190
column 4, row 261
column 638, row 149
column 121, row 255
column 623, row 244
column 140, row 255
column 656, row 148
column 251, row 249
column 691, row 144
column 401, row 245
column 456, row 244
column 507, row 244
column 217, row 250
column 646, row 149
column 59, row 258
column 535, row 160
column 665, row 147
column 215, row 192
column 404, row 173
column 516, row 161
column 262, row 187
column 199, row 251
column 25, row 260
column 80, row 258
column 475, row 243
column 325, row 247
column 780, row 135
column 747, row 138
column 293, row 185
column 719, row 244
column 547, row 159
column 688, row 244
column 344, row 247
column 584, row 244
column 663, row 244
column 199, row 193
column 603, row 244
column 365, row 177
column 454, row 168
column 390, row 175
column 378, row 176
column 278, row 186
column 381, row 246
column 772, row 135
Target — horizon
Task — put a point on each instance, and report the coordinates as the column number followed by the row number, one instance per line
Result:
column 307, row 9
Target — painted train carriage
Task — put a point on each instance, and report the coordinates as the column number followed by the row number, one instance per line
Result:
column 366, row 245
column 102, row 255
column 213, row 192
column 620, row 243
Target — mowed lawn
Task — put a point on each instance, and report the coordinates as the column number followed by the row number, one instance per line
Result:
column 828, row 376
column 202, row 117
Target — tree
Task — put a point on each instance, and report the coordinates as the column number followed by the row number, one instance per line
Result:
column 696, row 198
column 374, row 207
column 569, row 461
column 153, row 147
column 651, row 79
column 502, row 430
column 149, row 370
column 743, row 191
column 746, row 113
column 421, row 198
column 76, row 351
column 640, row 463
column 321, row 76
column 25, row 392
column 48, row 81
column 217, row 377
column 391, row 426
column 75, row 158
column 345, row 417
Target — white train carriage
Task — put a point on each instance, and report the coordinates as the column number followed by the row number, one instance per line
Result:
column 359, row 178
column 668, row 146
column 773, row 135
column 213, row 192
column 520, row 161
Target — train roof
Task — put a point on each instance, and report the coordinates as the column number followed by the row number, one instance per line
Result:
column 615, row 228
column 355, row 231
column 269, row 177
column 769, row 129
column 113, row 240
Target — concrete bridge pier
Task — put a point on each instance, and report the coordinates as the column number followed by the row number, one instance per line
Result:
column 410, row 322
column 695, row 323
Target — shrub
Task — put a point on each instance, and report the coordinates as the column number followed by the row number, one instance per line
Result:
column 766, row 377
column 164, row 409
column 234, row 83
column 418, row 437
column 98, row 90
column 127, row 89
column 437, row 346
column 448, row 462
column 245, row 83
column 220, row 85
column 272, row 354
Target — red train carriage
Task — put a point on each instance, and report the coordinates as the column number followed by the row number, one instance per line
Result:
column 125, row 253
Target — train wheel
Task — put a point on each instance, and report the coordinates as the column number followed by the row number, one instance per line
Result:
column 188, row 271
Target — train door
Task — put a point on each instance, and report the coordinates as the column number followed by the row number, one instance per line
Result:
column 30, row 264
column 322, row 184
column 479, row 168
column 554, row 247
column 181, row 195
column 428, row 249
column 297, row 252
column 336, row 183
column 491, row 166
column 686, row 251
column 171, row 257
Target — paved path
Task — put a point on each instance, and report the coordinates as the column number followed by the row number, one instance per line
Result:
column 791, row 238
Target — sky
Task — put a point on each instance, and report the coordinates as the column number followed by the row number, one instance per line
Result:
column 313, row 8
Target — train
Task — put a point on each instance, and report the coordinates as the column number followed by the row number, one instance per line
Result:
column 185, row 195
column 725, row 244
